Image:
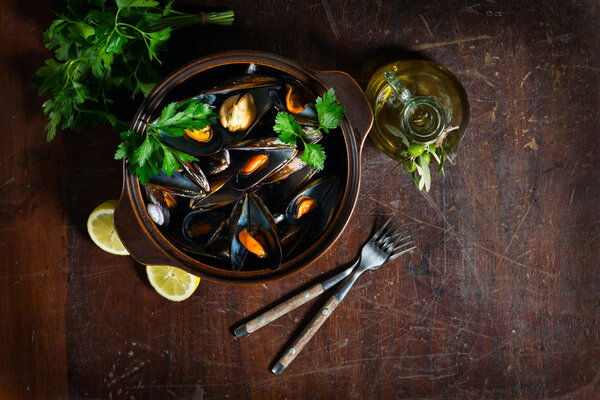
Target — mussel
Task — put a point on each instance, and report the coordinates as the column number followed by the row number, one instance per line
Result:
column 267, row 157
column 217, row 163
column 198, row 142
column 203, row 228
column 297, row 100
column 160, row 204
column 314, row 205
column 238, row 112
column 224, row 196
column 254, row 241
column 179, row 183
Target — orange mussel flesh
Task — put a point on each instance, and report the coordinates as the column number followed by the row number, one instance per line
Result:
column 200, row 135
column 252, row 244
column 254, row 164
column 304, row 205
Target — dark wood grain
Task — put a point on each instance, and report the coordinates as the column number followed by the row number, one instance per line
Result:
column 501, row 299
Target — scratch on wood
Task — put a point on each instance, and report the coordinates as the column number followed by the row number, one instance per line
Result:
column 585, row 67
column 7, row 182
column 476, row 74
column 426, row 25
column 426, row 46
column 527, row 76
column 518, row 227
column 476, row 244
column 334, row 28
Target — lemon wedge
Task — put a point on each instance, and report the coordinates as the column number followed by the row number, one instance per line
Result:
column 101, row 228
column 172, row 283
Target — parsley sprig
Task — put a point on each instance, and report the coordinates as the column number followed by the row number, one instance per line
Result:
column 329, row 112
column 102, row 47
column 147, row 154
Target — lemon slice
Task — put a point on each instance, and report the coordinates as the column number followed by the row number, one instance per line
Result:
column 101, row 228
column 172, row 283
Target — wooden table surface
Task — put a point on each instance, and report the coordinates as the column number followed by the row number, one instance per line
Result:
column 501, row 299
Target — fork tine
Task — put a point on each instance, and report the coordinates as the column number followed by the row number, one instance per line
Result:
column 388, row 236
column 389, row 248
column 402, row 245
column 401, row 253
column 385, row 237
column 398, row 234
column 378, row 233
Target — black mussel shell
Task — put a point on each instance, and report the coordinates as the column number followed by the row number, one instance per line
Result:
column 248, row 81
column 251, row 219
column 324, row 191
column 203, row 228
column 222, row 196
column 258, row 165
column 215, row 164
column 276, row 195
column 295, row 165
column 178, row 183
column 186, row 144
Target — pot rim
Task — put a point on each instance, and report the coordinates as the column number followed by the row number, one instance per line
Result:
column 353, row 148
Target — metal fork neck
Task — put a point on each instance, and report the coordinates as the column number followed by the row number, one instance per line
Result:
column 345, row 288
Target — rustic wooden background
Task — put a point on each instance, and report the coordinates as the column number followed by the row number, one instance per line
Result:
column 501, row 300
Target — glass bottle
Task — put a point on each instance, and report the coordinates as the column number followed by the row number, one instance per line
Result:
column 417, row 101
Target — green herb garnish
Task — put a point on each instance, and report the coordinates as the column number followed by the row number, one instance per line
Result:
column 147, row 154
column 329, row 112
column 104, row 46
column 416, row 159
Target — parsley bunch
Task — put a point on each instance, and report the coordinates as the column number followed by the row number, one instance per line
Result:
column 147, row 155
column 101, row 47
column 329, row 112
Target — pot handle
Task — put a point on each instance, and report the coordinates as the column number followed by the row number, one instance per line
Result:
column 132, row 232
column 349, row 93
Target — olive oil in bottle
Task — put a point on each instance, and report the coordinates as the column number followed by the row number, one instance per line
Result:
column 417, row 101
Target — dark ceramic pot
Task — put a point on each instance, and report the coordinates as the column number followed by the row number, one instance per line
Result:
column 148, row 245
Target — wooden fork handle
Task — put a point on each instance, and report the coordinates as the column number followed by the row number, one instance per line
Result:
column 305, row 336
column 281, row 309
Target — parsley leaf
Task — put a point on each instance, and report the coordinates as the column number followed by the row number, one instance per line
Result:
column 147, row 155
column 102, row 48
column 329, row 111
column 287, row 127
column 314, row 155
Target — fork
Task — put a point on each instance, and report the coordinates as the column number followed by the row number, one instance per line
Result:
column 377, row 251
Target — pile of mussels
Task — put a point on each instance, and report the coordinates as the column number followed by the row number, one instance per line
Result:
column 250, row 202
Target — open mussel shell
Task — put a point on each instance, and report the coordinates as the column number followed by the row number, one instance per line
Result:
column 193, row 172
column 221, row 196
column 262, row 104
column 218, row 250
column 161, row 204
column 214, row 141
column 295, row 99
column 315, row 204
column 259, row 165
column 248, row 81
column 215, row 164
column 295, row 165
column 254, row 242
column 271, row 143
column 276, row 193
column 178, row 183
column 203, row 228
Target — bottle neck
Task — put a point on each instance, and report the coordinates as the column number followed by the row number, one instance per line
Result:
column 422, row 118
